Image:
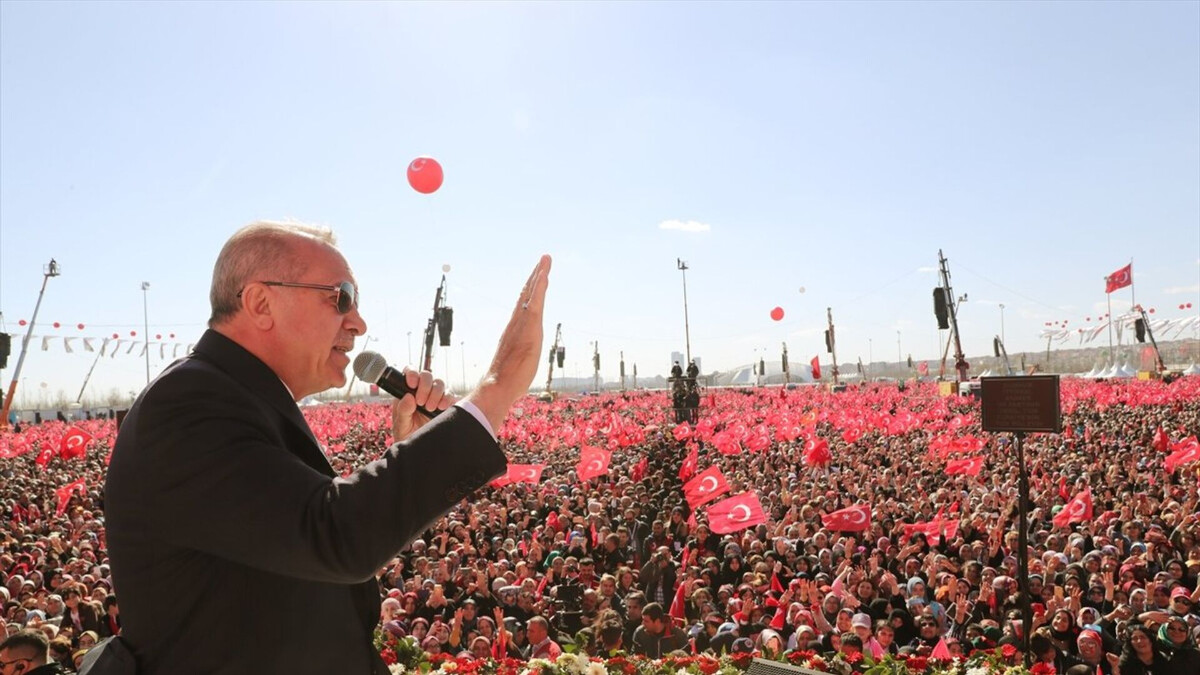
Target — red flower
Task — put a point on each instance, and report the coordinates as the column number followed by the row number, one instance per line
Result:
column 741, row 659
column 1008, row 651
column 1042, row 668
column 818, row 663
column 388, row 656
column 853, row 657
column 918, row 663
column 708, row 665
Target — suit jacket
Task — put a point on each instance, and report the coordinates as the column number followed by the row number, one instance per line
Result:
column 235, row 548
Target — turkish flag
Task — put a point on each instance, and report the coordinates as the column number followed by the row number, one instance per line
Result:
column 923, row 368
column 592, row 462
column 45, row 454
column 688, row 468
column 1183, row 452
column 816, row 367
column 1161, row 440
column 736, row 514
column 1119, row 279
column 64, row 494
column 705, row 487
column 850, row 519
column 640, row 469
column 1078, row 509
column 520, row 473
column 74, row 443
column 683, row 432
column 816, row 452
column 968, row 467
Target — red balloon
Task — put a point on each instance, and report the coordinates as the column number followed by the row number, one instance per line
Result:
column 172, row 336
column 115, row 336
column 1151, row 310
column 158, row 336
column 777, row 314
column 425, row 175
column 22, row 322
column 1181, row 305
column 133, row 333
column 57, row 324
column 79, row 326
column 1189, row 305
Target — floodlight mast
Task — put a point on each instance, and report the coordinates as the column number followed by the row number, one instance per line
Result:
column 51, row 270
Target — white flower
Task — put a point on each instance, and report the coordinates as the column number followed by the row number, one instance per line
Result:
column 396, row 669
column 682, row 671
column 982, row 670
column 596, row 669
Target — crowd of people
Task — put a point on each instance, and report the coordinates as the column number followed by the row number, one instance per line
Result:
column 621, row 563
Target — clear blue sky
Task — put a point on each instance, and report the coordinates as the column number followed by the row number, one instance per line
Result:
column 834, row 147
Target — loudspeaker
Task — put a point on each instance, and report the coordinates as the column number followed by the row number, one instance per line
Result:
column 596, row 360
column 768, row 667
column 445, row 324
column 1139, row 327
column 829, row 340
column 996, row 347
column 5, row 349
column 939, row 308
column 562, row 356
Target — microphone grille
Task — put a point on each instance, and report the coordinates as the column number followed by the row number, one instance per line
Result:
column 368, row 366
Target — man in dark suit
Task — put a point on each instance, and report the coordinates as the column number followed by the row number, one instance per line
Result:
column 234, row 546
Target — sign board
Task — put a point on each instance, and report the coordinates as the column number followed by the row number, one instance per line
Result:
column 1026, row 404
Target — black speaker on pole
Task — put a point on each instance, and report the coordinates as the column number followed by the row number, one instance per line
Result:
column 1139, row 327
column 996, row 347
column 445, row 324
column 940, row 309
column 829, row 340
column 562, row 356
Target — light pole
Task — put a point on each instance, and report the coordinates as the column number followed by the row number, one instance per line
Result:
column 146, row 324
column 683, row 267
column 1002, row 324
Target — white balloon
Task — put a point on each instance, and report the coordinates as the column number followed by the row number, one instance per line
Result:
column 801, row 289
column 445, row 268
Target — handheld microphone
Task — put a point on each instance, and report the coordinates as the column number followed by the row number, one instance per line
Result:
column 372, row 368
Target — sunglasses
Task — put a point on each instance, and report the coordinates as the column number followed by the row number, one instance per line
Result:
column 347, row 294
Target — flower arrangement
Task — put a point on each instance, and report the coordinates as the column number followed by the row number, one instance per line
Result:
column 405, row 657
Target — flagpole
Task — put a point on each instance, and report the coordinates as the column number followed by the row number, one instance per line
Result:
column 1132, row 289
column 1110, row 320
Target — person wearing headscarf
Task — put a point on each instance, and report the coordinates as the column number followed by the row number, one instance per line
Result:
column 902, row 625
column 1176, row 642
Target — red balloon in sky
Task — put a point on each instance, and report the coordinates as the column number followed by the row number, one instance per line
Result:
column 22, row 322
column 115, row 336
column 1151, row 310
column 425, row 175
column 57, row 324
column 133, row 333
column 158, row 336
column 1189, row 305
column 172, row 335
column 80, row 326
column 777, row 314
column 1181, row 305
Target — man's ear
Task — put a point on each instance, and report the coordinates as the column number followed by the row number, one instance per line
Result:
column 256, row 303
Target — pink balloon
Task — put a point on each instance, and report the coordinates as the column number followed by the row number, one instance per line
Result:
column 57, row 324
column 80, row 326
column 425, row 175
column 777, row 314
column 115, row 336
column 22, row 322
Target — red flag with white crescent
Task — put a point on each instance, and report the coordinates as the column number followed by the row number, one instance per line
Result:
column 1077, row 510
column 1183, row 452
column 969, row 466
column 816, row 367
column 1161, row 441
column 64, row 494
column 690, row 462
column 520, row 473
column 74, row 443
column 640, row 469
column 855, row 518
column 1119, row 279
column 593, row 462
column 705, row 487
column 736, row 513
